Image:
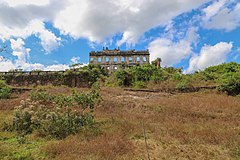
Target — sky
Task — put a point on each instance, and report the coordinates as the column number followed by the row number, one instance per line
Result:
column 54, row 34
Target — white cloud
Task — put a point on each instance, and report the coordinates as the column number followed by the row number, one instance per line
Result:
column 210, row 56
column 75, row 60
column 57, row 67
column 14, row 3
column 96, row 20
column 49, row 41
column 20, row 51
column 90, row 19
column 172, row 52
column 213, row 9
column 23, row 55
column 6, row 65
column 26, row 18
column 223, row 14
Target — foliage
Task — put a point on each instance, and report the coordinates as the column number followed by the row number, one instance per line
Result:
column 226, row 76
column 5, row 91
column 41, row 95
column 139, row 84
column 63, row 116
column 139, row 76
column 182, row 85
column 123, row 78
column 92, row 72
column 231, row 83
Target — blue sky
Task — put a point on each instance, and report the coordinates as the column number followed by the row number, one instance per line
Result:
column 53, row 34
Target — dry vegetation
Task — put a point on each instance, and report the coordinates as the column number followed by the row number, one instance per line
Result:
column 203, row 125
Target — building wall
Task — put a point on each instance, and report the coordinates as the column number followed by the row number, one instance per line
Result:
column 115, row 59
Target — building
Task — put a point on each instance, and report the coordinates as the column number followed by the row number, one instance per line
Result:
column 112, row 60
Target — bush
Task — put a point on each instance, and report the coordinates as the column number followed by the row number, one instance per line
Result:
column 92, row 72
column 40, row 95
column 58, row 119
column 139, row 76
column 182, row 85
column 5, row 91
column 231, row 84
column 123, row 78
column 139, row 84
column 158, row 76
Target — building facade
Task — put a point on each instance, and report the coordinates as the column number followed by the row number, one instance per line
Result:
column 113, row 60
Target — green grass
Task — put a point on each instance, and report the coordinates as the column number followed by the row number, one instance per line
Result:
column 12, row 149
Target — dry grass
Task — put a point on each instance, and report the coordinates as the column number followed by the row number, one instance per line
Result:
column 203, row 125
column 9, row 104
column 106, row 146
column 191, row 126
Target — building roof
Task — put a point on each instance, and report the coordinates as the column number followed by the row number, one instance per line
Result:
column 118, row 52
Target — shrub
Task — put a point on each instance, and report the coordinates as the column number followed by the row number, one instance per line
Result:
column 92, row 72
column 139, row 84
column 5, row 91
column 158, row 76
column 231, row 84
column 182, row 85
column 139, row 76
column 123, row 78
column 61, row 119
column 40, row 95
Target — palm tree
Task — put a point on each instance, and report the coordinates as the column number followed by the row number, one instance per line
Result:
column 157, row 62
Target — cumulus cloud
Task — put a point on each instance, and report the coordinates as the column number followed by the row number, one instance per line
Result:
column 20, row 16
column 6, row 65
column 172, row 52
column 49, row 41
column 22, row 55
column 89, row 19
column 223, row 14
column 213, row 9
column 56, row 67
column 26, row 18
column 19, row 51
column 209, row 56
column 96, row 20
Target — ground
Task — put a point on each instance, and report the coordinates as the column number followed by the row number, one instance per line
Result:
column 200, row 125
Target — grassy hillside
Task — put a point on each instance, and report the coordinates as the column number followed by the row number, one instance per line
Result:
column 110, row 122
column 203, row 125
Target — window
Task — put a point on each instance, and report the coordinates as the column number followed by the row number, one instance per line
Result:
column 138, row 59
column 130, row 59
column 122, row 59
column 91, row 59
column 99, row 59
column 107, row 59
column 115, row 59
column 144, row 59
